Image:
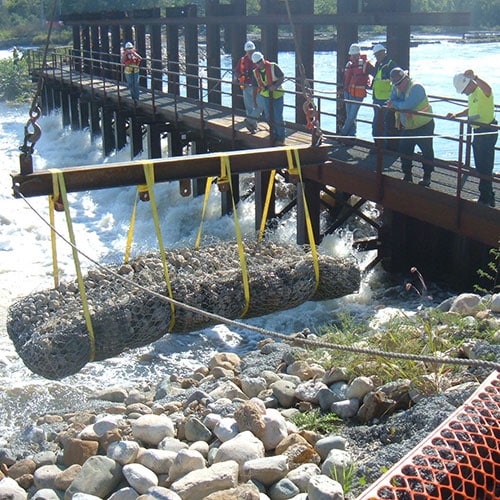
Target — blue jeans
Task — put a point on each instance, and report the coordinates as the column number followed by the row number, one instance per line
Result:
column 133, row 84
column 351, row 112
column 409, row 138
column 277, row 125
column 384, row 125
column 252, row 113
column 483, row 147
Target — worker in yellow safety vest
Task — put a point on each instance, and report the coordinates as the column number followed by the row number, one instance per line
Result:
column 481, row 111
column 383, row 120
column 407, row 99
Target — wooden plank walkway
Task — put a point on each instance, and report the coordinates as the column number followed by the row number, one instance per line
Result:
column 352, row 167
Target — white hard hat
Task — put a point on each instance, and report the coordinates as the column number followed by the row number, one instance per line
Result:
column 378, row 47
column 257, row 56
column 461, row 81
column 397, row 75
column 249, row 46
column 354, row 49
column 129, row 45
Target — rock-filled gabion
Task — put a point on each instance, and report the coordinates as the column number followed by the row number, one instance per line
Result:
column 48, row 328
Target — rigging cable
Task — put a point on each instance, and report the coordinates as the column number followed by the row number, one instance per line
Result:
column 309, row 107
column 32, row 131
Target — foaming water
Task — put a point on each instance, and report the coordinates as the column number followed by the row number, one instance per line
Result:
column 101, row 221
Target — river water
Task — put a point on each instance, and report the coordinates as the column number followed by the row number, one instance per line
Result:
column 101, row 221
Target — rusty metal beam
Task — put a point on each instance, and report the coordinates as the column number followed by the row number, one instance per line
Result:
column 439, row 209
column 131, row 173
column 377, row 18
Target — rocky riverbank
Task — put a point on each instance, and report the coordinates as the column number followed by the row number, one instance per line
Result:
column 230, row 429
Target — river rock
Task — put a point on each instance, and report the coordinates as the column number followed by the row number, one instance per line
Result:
column 267, row 470
column 152, row 429
column 195, row 430
column 359, row 388
column 336, row 464
column 302, row 475
column 243, row 447
column 328, row 443
column 45, row 494
column 99, row 476
column 284, row 489
column 284, row 392
column 308, row 391
column 25, row 466
column 250, row 417
column 159, row 461
column 10, row 490
column 124, row 494
column 139, row 477
column 253, row 386
column 124, row 452
column 226, row 429
column 77, row 451
column 346, row 409
column 322, row 487
column 185, row 461
column 197, row 485
column 466, row 303
column 66, row 477
column 159, row 493
column 275, row 429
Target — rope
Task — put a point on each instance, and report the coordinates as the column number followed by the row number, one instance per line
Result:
column 53, row 240
column 59, row 186
column 309, row 107
column 263, row 331
column 150, row 180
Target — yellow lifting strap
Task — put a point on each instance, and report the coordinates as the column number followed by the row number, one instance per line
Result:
column 267, row 202
column 59, row 188
column 53, row 236
column 131, row 228
column 208, row 186
column 142, row 193
column 150, row 181
column 226, row 167
column 310, row 232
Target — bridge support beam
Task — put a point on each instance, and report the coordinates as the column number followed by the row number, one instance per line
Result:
column 438, row 254
column 75, row 111
column 155, row 131
column 312, row 191
column 94, row 120
column 136, row 145
column 66, row 113
column 108, row 135
column 120, row 124
column 84, row 113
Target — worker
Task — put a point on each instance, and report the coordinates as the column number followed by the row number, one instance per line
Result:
column 383, row 119
column 268, row 79
column 408, row 97
column 481, row 112
column 131, row 60
column 244, row 76
column 356, row 80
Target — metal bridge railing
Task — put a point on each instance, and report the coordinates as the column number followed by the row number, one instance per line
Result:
column 192, row 81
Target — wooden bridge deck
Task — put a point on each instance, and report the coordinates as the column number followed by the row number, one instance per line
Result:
column 352, row 167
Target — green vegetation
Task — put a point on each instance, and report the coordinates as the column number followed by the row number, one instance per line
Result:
column 428, row 333
column 316, row 421
column 490, row 276
column 15, row 84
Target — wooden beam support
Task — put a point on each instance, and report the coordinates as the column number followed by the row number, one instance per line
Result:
column 374, row 19
column 39, row 183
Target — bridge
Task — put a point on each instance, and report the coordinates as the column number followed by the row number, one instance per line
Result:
column 192, row 103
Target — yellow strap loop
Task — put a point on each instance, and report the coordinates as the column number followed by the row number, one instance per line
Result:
column 310, row 232
column 269, row 193
column 150, row 180
column 53, row 239
column 226, row 166
column 208, row 186
column 130, row 235
column 59, row 185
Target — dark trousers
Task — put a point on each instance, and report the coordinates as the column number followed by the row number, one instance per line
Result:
column 483, row 147
column 409, row 138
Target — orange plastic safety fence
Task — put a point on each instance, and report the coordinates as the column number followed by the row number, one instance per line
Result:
column 460, row 460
